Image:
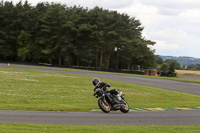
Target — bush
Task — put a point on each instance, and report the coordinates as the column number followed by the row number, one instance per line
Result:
column 164, row 67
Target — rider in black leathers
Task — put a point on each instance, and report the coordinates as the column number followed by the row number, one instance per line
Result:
column 102, row 85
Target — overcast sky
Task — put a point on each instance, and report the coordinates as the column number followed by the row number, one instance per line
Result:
column 173, row 24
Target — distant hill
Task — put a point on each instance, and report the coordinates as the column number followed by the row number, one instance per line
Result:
column 183, row 60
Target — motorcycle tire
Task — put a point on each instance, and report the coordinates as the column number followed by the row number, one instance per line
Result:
column 105, row 107
column 124, row 107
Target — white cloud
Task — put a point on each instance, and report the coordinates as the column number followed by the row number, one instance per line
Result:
column 147, row 14
column 89, row 3
column 178, row 43
column 173, row 3
column 162, row 45
column 191, row 13
column 175, row 33
column 114, row 4
column 172, row 7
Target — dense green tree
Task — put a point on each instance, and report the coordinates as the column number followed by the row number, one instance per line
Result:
column 57, row 34
column 81, row 32
column 164, row 67
column 173, row 64
column 159, row 60
column 194, row 67
column 25, row 43
column 7, row 31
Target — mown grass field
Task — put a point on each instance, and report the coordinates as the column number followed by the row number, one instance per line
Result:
column 36, row 90
column 36, row 128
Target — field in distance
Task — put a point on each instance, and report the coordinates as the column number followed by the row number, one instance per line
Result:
column 188, row 74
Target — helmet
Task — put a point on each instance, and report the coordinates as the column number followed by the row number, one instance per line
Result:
column 95, row 81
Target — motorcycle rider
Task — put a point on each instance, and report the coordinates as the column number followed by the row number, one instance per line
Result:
column 102, row 85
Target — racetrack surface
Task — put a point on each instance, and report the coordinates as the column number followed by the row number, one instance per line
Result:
column 183, row 117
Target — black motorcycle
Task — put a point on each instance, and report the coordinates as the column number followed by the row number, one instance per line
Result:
column 106, row 101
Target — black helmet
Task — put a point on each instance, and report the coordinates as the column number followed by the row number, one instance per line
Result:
column 95, row 81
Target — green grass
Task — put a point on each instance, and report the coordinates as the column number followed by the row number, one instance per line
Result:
column 36, row 90
column 36, row 128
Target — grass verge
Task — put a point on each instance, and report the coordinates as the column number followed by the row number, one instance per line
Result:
column 36, row 128
column 36, row 90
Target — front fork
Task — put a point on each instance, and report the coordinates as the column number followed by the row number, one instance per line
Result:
column 103, row 98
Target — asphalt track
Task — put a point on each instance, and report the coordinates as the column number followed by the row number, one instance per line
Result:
column 183, row 117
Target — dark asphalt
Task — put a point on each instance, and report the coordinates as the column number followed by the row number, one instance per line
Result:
column 191, row 117
column 183, row 117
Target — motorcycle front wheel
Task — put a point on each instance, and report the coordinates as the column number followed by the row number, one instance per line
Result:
column 104, row 106
column 124, row 107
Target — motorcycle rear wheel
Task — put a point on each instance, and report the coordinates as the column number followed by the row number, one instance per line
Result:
column 124, row 107
column 105, row 107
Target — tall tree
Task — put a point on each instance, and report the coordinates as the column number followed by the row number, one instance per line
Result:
column 96, row 38
column 72, row 36
column 8, row 31
column 55, row 35
column 25, row 46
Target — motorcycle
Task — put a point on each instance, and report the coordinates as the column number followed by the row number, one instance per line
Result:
column 106, row 101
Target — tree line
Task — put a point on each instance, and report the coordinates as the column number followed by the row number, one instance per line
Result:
column 193, row 67
column 167, row 65
column 74, row 36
